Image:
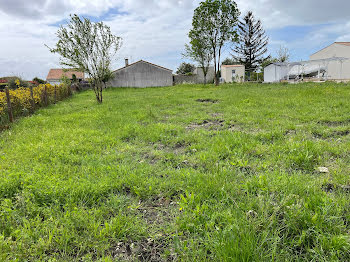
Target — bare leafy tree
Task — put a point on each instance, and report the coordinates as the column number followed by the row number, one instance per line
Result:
column 252, row 45
column 88, row 47
column 200, row 51
column 283, row 54
column 216, row 21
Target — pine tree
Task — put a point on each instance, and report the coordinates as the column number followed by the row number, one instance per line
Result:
column 252, row 44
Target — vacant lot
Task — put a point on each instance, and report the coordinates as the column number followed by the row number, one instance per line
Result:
column 187, row 173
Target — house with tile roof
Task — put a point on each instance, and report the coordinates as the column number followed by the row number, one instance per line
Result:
column 54, row 76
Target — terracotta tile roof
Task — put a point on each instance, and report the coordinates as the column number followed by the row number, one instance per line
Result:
column 56, row 74
column 343, row 43
column 142, row 61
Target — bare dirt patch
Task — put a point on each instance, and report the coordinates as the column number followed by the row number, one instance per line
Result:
column 5, row 127
column 334, row 123
column 216, row 115
column 215, row 124
column 157, row 152
column 150, row 249
column 341, row 133
column 180, row 147
column 332, row 134
column 290, row 132
column 330, row 188
column 208, row 100
column 156, row 212
column 150, row 158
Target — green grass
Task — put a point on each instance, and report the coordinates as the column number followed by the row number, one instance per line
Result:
column 155, row 175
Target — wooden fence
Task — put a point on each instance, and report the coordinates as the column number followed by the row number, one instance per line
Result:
column 44, row 95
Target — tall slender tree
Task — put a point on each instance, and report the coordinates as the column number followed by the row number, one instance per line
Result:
column 216, row 21
column 252, row 45
column 200, row 51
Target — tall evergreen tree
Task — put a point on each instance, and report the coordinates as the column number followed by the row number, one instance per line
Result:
column 252, row 45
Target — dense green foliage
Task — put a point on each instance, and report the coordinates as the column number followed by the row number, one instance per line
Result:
column 214, row 24
column 230, row 61
column 12, row 82
column 191, row 173
column 185, row 69
column 199, row 50
column 39, row 80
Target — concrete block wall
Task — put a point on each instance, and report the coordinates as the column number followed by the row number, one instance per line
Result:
column 142, row 74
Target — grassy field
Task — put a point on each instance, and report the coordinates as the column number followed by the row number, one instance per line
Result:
column 184, row 173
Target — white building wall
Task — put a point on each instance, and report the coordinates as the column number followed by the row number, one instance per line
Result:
column 142, row 74
column 336, row 70
column 200, row 75
column 226, row 73
column 275, row 73
column 54, row 82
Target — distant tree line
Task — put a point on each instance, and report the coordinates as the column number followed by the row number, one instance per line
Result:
column 186, row 69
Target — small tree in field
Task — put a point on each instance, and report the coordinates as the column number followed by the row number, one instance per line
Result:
column 200, row 51
column 88, row 47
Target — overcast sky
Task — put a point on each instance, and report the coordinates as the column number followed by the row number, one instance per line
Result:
column 156, row 30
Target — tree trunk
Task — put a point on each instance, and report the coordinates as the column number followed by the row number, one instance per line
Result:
column 46, row 98
column 205, row 79
column 217, row 77
column 32, row 99
column 55, row 94
column 98, row 88
column 215, row 69
column 101, row 90
column 9, row 107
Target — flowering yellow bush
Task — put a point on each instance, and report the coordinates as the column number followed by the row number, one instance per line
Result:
column 21, row 100
column 2, row 103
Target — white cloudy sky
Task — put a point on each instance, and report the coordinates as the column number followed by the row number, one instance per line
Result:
column 156, row 30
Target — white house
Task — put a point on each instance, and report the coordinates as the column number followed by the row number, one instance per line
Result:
column 233, row 73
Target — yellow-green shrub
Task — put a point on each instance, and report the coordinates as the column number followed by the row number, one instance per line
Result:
column 21, row 100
